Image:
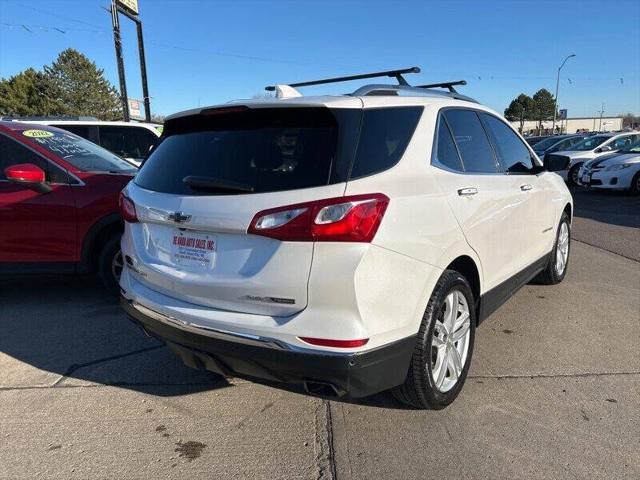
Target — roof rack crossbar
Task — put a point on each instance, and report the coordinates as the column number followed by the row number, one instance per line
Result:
column 448, row 85
column 397, row 74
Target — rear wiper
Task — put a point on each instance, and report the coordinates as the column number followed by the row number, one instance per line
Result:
column 216, row 184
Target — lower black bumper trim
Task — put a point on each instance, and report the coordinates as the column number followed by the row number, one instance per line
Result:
column 353, row 375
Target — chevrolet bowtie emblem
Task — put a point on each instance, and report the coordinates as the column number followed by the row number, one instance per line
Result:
column 179, row 217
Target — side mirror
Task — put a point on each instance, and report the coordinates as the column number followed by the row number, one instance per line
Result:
column 556, row 163
column 606, row 148
column 28, row 175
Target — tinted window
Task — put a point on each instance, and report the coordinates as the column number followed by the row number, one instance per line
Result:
column 544, row 144
column 82, row 153
column 127, row 142
column 385, row 134
column 446, row 153
column 471, row 139
column 564, row 145
column 623, row 142
column 590, row 143
column 80, row 130
column 266, row 149
column 12, row 153
column 512, row 153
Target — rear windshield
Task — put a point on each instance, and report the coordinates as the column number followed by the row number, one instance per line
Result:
column 238, row 150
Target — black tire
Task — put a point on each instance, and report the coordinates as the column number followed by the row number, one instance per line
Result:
column 572, row 176
column 550, row 275
column 635, row 184
column 107, row 271
column 419, row 389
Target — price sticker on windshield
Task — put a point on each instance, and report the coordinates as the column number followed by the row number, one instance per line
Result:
column 37, row 133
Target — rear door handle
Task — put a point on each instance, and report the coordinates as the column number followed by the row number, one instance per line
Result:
column 467, row 192
column 525, row 187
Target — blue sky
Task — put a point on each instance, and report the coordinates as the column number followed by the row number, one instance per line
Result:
column 207, row 52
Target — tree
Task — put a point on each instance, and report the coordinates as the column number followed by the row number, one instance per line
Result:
column 29, row 93
column 629, row 120
column 543, row 106
column 82, row 88
column 520, row 109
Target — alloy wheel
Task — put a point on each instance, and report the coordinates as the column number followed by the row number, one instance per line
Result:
column 575, row 176
column 450, row 341
column 562, row 249
column 117, row 264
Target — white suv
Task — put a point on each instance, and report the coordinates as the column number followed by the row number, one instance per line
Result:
column 347, row 243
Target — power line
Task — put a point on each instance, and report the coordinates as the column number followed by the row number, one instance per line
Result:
column 102, row 30
column 54, row 14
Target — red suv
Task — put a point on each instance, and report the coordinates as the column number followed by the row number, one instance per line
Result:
column 59, row 203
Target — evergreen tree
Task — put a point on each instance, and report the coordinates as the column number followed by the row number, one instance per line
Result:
column 29, row 93
column 544, row 105
column 82, row 88
column 520, row 109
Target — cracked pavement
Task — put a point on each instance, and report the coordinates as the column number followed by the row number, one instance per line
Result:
column 554, row 389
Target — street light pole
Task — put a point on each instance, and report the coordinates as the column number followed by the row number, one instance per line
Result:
column 555, row 105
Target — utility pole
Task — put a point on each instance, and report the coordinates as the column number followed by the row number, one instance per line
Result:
column 555, row 104
column 601, row 113
column 117, row 40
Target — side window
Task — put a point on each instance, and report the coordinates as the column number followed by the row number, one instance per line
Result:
column 512, row 152
column 560, row 146
column 125, row 142
column 621, row 142
column 471, row 139
column 145, row 140
column 80, row 130
column 446, row 153
column 384, row 136
column 12, row 153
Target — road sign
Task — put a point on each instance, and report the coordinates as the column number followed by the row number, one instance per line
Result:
column 562, row 114
column 135, row 109
column 131, row 5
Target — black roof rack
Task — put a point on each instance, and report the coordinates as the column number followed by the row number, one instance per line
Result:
column 388, row 73
column 448, row 85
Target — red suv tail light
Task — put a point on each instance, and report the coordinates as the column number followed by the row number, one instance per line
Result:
column 354, row 218
column 127, row 208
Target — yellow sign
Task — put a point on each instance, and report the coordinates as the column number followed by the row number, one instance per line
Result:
column 131, row 5
column 37, row 133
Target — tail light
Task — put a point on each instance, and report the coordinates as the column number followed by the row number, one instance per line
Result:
column 354, row 218
column 127, row 208
column 326, row 342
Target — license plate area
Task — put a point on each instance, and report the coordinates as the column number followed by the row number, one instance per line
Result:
column 193, row 250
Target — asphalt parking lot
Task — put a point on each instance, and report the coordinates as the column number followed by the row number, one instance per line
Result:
column 554, row 390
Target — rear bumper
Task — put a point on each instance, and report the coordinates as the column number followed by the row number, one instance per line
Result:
column 351, row 374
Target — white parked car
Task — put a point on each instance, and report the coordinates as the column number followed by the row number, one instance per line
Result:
column 129, row 140
column 591, row 148
column 347, row 243
column 620, row 171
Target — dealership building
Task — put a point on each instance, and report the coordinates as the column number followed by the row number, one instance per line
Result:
column 573, row 125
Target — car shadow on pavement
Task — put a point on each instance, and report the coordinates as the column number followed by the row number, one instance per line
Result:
column 67, row 331
column 612, row 207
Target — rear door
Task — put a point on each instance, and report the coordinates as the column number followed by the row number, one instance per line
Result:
column 484, row 201
column 198, row 192
column 35, row 227
column 533, row 211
